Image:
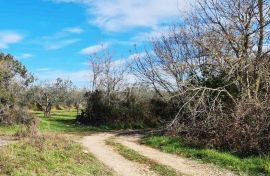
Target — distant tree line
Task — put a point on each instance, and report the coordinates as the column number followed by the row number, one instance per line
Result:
column 58, row 94
column 19, row 93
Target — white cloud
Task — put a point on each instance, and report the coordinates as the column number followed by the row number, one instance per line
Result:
column 156, row 32
column 61, row 38
column 75, row 30
column 25, row 56
column 117, row 15
column 120, row 42
column 136, row 56
column 60, row 44
column 94, row 49
column 63, row 33
column 7, row 38
column 127, row 60
column 82, row 77
column 43, row 69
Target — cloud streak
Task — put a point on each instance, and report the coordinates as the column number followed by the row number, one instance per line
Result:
column 74, row 30
column 25, row 56
column 7, row 38
column 62, row 38
column 118, row 15
column 94, row 49
column 60, row 44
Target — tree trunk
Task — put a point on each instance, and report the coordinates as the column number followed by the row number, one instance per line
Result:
column 260, row 48
column 78, row 110
column 47, row 110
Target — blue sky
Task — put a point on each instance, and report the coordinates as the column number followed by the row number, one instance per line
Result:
column 54, row 38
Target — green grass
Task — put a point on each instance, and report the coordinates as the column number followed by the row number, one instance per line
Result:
column 62, row 121
column 135, row 156
column 65, row 121
column 257, row 165
column 8, row 130
column 48, row 155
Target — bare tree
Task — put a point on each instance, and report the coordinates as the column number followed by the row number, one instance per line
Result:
column 170, row 63
column 96, row 68
column 235, row 36
column 216, row 64
column 107, row 74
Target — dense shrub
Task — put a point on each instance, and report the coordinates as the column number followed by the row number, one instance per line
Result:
column 125, row 110
column 244, row 131
column 30, row 129
column 249, row 130
column 16, row 116
column 163, row 110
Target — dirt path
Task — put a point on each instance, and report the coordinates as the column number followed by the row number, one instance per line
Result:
column 4, row 141
column 183, row 165
column 96, row 145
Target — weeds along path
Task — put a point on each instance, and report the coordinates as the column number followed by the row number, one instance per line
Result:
column 96, row 145
column 181, row 164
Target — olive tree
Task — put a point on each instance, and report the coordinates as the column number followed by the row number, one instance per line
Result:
column 47, row 94
column 14, row 77
column 76, row 97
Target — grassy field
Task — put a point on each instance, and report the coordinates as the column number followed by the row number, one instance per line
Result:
column 42, row 155
column 61, row 121
column 47, row 155
column 8, row 130
column 51, row 152
column 65, row 121
column 257, row 165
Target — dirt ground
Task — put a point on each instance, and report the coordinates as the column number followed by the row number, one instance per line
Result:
column 96, row 145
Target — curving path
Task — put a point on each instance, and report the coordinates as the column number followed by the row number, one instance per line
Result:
column 183, row 165
column 96, row 145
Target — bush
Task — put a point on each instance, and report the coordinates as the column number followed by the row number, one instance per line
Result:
column 15, row 116
column 245, row 130
column 29, row 130
column 164, row 110
column 128, row 111
column 34, row 107
column 249, row 131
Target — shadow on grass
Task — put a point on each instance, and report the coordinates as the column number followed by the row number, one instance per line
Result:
column 63, row 115
column 65, row 121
